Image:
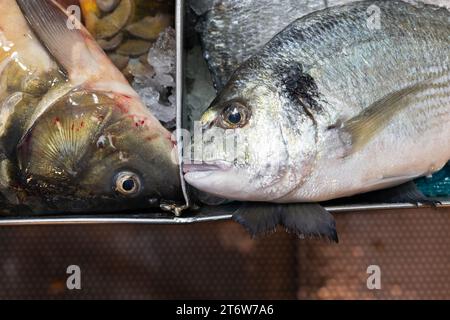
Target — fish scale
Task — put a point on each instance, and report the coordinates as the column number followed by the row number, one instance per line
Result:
column 234, row 30
column 59, row 94
column 369, row 110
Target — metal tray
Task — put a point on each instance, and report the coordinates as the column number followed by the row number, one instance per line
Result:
column 187, row 217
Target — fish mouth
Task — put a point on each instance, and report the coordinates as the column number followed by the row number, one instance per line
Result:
column 207, row 166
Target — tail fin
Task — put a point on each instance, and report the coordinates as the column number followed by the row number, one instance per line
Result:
column 303, row 219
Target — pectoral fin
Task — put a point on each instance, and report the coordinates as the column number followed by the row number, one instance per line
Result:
column 358, row 131
column 68, row 42
column 303, row 219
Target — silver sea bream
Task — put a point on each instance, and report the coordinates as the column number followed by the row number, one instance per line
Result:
column 333, row 106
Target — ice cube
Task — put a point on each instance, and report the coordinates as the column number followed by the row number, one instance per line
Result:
column 155, row 81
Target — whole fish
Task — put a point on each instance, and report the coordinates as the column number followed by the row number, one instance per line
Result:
column 233, row 30
column 339, row 103
column 74, row 135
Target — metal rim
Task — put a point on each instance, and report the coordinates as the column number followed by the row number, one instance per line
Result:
column 151, row 219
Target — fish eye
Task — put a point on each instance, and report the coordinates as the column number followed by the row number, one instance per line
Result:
column 235, row 115
column 127, row 183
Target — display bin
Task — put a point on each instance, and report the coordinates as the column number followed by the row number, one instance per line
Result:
column 161, row 255
column 438, row 186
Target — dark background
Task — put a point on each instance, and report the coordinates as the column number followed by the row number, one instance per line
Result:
column 219, row 260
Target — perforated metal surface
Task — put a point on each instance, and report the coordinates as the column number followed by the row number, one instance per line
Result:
column 219, row 260
column 207, row 261
column 411, row 247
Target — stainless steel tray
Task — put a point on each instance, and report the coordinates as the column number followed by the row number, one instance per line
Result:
column 213, row 214
column 166, row 218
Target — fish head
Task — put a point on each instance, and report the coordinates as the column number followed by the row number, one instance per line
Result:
column 90, row 151
column 246, row 151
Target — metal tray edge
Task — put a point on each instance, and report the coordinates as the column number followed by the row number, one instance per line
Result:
column 145, row 219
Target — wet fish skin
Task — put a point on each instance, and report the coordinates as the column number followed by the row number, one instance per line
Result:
column 233, row 30
column 74, row 136
column 335, row 108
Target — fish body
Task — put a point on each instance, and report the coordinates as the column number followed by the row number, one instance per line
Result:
column 233, row 30
column 333, row 106
column 74, row 135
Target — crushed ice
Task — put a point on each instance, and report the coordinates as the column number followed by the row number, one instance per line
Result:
column 155, row 82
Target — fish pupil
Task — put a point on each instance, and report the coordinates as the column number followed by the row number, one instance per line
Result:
column 128, row 185
column 235, row 117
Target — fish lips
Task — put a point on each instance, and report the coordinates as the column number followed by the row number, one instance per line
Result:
column 207, row 166
column 193, row 172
